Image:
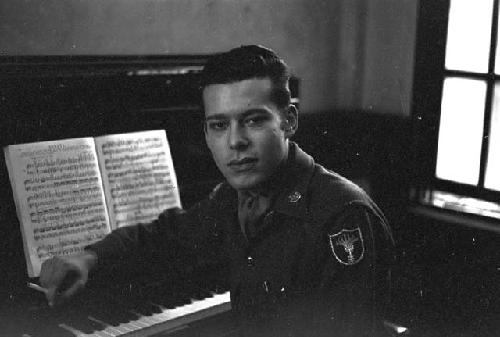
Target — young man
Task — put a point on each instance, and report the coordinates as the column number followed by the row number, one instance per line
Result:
column 304, row 251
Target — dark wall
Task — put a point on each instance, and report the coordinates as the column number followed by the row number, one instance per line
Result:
column 349, row 54
column 447, row 278
column 371, row 149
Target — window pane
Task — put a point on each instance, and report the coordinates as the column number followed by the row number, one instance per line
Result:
column 461, row 130
column 492, row 178
column 497, row 57
column 469, row 35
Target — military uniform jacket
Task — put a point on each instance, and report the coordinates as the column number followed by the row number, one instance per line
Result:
column 319, row 263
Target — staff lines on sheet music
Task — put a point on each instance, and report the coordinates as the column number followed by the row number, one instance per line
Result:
column 70, row 224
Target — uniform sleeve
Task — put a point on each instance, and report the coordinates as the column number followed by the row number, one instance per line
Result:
column 179, row 237
column 355, row 283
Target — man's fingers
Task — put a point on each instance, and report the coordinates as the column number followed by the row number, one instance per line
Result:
column 52, row 273
column 46, row 272
column 54, row 277
column 51, row 295
column 73, row 289
column 63, row 277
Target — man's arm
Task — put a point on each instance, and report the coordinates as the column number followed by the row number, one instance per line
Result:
column 355, row 282
column 177, row 235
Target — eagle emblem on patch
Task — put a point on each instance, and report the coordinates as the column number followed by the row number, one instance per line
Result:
column 347, row 246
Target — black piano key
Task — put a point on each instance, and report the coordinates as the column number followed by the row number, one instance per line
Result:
column 171, row 298
column 201, row 294
column 146, row 299
column 131, row 306
column 198, row 290
column 148, row 308
column 111, row 310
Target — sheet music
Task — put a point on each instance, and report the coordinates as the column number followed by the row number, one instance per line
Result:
column 59, row 197
column 138, row 176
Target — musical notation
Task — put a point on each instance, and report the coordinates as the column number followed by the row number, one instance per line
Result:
column 71, row 192
column 58, row 191
column 138, row 176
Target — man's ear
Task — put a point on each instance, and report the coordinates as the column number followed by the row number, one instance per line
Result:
column 290, row 121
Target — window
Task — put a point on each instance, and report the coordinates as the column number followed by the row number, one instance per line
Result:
column 456, row 106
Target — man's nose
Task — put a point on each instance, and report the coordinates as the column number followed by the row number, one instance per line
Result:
column 237, row 137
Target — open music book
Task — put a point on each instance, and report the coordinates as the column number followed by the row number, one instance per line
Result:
column 72, row 192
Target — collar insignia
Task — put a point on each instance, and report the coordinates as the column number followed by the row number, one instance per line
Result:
column 294, row 197
column 347, row 246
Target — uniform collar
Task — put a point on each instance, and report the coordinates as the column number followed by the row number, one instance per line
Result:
column 291, row 190
column 292, row 194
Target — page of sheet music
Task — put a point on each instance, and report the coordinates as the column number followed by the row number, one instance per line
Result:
column 138, row 176
column 59, row 197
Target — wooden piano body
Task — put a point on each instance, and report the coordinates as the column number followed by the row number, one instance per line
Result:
column 46, row 98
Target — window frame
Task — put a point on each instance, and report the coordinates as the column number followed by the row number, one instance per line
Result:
column 429, row 75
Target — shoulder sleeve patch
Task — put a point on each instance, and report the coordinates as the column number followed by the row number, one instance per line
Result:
column 347, row 246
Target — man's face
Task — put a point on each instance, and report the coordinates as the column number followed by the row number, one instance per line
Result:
column 245, row 131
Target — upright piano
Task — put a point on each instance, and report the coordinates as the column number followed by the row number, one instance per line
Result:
column 56, row 97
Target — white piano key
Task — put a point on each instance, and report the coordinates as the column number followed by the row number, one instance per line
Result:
column 139, row 323
column 74, row 331
column 211, row 300
column 107, row 333
column 109, row 329
column 123, row 328
column 79, row 333
column 157, row 318
column 104, row 333
column 132, row 326
column 146, row 319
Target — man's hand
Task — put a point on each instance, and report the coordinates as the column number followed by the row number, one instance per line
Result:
column 64, row 276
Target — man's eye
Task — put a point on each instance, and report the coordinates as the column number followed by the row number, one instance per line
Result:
column 217, row 125
column 255, row 121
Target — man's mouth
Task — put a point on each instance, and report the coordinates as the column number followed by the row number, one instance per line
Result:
column 243, row 164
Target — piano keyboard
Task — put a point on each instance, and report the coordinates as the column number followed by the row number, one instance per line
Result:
column 106, row 314
column 166, row 320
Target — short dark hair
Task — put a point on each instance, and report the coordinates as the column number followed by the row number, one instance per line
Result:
column 247, row 62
